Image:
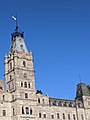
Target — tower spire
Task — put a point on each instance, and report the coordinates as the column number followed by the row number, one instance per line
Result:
column 16, row 24
column 16, row 20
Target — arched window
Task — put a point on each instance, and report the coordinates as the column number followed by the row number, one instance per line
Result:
column 4, row 112
column 40, row 115
column 79, row 105
column 63, row 116
column 27, row 110
column 60, row 103
column 74, row 118
column 70, row 104
column 54, row 103
column 21, row 84
column 30, row 111
column 13, row 111
column 25, row 84
column 65, row 103
column 29, row 85
column 58, row 117
column 22, row 110
column 24, row 63
column 52, row 116
column 38, row 100
column 44, row 115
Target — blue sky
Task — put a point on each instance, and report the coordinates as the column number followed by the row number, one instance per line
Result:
column 58, row 33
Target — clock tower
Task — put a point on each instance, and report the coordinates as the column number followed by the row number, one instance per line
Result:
column 19, row 71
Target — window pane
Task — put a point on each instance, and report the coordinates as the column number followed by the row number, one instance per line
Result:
column 22, row 110
column 4, row 112
column 27, row 110
column 26, row 95
column 25, row 84
column 39, row 115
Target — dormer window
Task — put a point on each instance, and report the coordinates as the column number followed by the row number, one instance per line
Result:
column 21, row 47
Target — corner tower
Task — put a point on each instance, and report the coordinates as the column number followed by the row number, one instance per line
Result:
column 19, row 71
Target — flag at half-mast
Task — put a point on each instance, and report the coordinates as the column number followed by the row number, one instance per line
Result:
column 14, row 18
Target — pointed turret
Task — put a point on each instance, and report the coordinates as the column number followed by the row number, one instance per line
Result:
column 18, row 43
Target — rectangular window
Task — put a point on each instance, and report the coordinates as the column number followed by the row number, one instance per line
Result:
column 27, row 110
column 74, row 118
column 4, row 112
column 82, row 118
column 44, row 115
column 52, row 116
column 39, row 115
column 26, row 95
column 68, row 116
column 13, row 111
column 58, row 117
column 3, row 97
column 63, row 116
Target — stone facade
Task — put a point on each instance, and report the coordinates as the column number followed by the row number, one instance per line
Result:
column 21, row 101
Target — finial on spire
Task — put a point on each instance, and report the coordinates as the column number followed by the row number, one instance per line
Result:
column 15, row 18
column 80, row 78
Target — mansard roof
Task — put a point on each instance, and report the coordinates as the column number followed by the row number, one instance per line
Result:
column 65, row 102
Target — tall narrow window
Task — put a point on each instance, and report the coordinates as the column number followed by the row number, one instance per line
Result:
column 24, row 63
column 74, row 118
column 27, row 110
column 21, row 84
column 9, row 87
column 82, row 118
column 26, row 95
column 52, row 116
column 25, row 84
column 39, row 115
column 13, row 111
column 58, row 117
column 68, row 116
column 10, row 65
column 30, row 111
column 3, row 97
column 12, row 97
column 4, row 112
column 29, row 85
column 63, row 116
column 38, row 100
column 10, row 77
column 22, row 110
column 43, row 101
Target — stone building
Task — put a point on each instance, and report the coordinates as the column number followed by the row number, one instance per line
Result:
column 21, row 101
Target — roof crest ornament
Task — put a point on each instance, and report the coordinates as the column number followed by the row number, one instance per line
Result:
column 16, row 20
